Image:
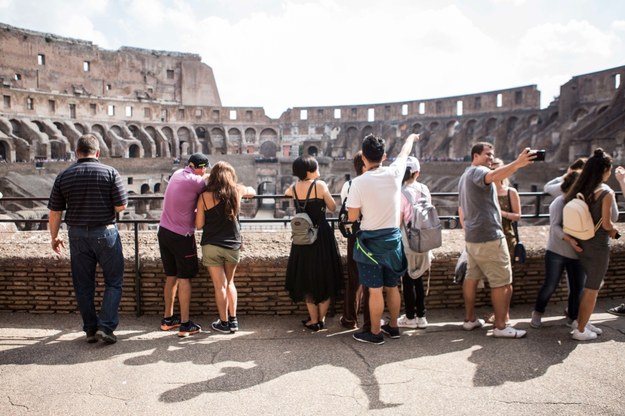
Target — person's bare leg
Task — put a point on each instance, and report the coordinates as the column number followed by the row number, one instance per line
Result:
column 323, row 309
column 169, row 295
column 231, row 290
column 218, row 276
column 184, row 298
column 376, row 308
column 313, row 312
column 469, row 288
column 393, row 302
column 586, row 307
column 500, row 297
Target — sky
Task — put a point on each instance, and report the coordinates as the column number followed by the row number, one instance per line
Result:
column 280, row 54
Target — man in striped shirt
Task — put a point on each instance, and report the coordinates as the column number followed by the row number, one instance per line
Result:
column 91, row 193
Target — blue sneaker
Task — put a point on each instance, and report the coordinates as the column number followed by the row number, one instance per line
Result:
column 369, row 337
column 234, row 323
column 188, row 328
column 223, row 327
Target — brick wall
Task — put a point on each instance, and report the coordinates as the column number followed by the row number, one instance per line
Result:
column 44, row 285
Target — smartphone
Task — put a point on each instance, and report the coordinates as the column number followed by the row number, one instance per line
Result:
column 540, row 155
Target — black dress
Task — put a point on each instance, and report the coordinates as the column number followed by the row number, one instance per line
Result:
column 314, row 272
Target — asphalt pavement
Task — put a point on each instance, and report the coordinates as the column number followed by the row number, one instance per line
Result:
column 275, row 366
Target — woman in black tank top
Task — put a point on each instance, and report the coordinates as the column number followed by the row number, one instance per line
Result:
column 217, row 216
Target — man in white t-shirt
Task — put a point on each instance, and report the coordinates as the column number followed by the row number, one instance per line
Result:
column 376, row 195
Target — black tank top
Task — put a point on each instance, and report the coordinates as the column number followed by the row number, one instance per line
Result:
column 218, row 230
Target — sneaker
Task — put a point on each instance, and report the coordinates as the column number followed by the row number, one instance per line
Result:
column 219, row 326
column 471, row 325
column 422, row 323
column 188, row 328
column 91, row 338
column 405, row 322
column 509, row 332
column 618, row 310
column 369, row 337
column 391, row 331
column 594, row 329
column 106, row 335
column 536, row 321
column 589, row 327
column 170, row 323
column 587, row 335
column 234, row 323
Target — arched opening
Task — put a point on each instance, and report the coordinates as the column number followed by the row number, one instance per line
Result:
column 417, row 127
column 134, row 151
column 201, row 133
column 511, row 124
column 145, row 188
column 117, row 130
column 157, row 188
column 250, row 135
column 235, row 140
column 579, row 114
column 134, row 130
column 218, row 141
column 80, row 128
column 491, row 124
column 4, row 151
column 57, row 150
column 268, row 149
column 312, row 151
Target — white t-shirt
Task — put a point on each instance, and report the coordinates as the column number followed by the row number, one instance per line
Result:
column 378, row 195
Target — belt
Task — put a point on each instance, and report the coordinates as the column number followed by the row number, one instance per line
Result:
column 93, row 227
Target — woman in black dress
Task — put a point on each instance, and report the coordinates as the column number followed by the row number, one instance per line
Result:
column 314, row 273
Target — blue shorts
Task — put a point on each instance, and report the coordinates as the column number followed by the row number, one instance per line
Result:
column 375, row 276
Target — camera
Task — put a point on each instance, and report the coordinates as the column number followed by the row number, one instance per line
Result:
column 540, row 155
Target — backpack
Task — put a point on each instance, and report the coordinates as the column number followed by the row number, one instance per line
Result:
column 577, row 220
column 424, row 231
column 303, row 230
column 347, row 228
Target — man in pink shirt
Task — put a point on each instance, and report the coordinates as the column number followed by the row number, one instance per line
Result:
column 177, row 244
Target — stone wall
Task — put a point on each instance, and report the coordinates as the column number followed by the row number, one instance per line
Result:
column 33, row 279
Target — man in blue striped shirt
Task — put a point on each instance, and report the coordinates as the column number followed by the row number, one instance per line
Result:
column 91, row 193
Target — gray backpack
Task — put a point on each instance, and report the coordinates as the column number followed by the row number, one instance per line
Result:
column 303, row 230
column 425, row 231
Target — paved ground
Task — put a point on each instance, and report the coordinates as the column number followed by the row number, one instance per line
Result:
column 275, row 366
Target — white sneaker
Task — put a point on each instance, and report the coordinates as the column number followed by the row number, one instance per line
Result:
column 422, row 323
column 509, row 332
column 589, row 326
column 594, row 329
column 587, row 335
column 405, row 322
column 471, row 325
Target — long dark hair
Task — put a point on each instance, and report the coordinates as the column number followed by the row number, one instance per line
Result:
column 591, row 176
column 222, row 182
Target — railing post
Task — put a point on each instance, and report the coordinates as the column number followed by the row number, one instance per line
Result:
column 138, row 294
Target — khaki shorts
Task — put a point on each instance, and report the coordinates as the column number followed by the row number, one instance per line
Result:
column 219, row 256
column 490, row 261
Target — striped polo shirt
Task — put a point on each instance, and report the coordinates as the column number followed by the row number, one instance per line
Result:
column 88, row 190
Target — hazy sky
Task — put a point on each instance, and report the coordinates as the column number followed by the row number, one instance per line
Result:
column 279, row 54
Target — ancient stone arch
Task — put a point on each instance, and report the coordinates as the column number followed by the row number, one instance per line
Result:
column 250, row 135
column 235, row 140
column 268, row 149
column 470, row 129
column 417, row 128
column 511, row 124
column 99, row 131
column 367, row 130
column 5, row 151
column 269, row 134
column 80, row 127
column 579, row 114
column 171, row 141
column 185, row 142
column 218, row 141
column 134, row 151
column 491, row 125
column 353, row 142
column 312, row 151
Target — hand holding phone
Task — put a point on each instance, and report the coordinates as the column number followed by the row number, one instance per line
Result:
column 540, row 155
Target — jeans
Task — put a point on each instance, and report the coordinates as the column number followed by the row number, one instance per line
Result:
column 89, row 246
column 555, row 264
column 414, row 296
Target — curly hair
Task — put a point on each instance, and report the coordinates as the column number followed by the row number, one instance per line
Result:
column 591, row 176
column 222, row 182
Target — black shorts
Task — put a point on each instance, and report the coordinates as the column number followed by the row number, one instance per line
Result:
column 178, row 254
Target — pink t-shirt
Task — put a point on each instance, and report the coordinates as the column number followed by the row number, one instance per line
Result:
column 181, row 200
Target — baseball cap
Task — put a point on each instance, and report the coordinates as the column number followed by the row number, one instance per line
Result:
column 413, row 164
column 199, row 160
